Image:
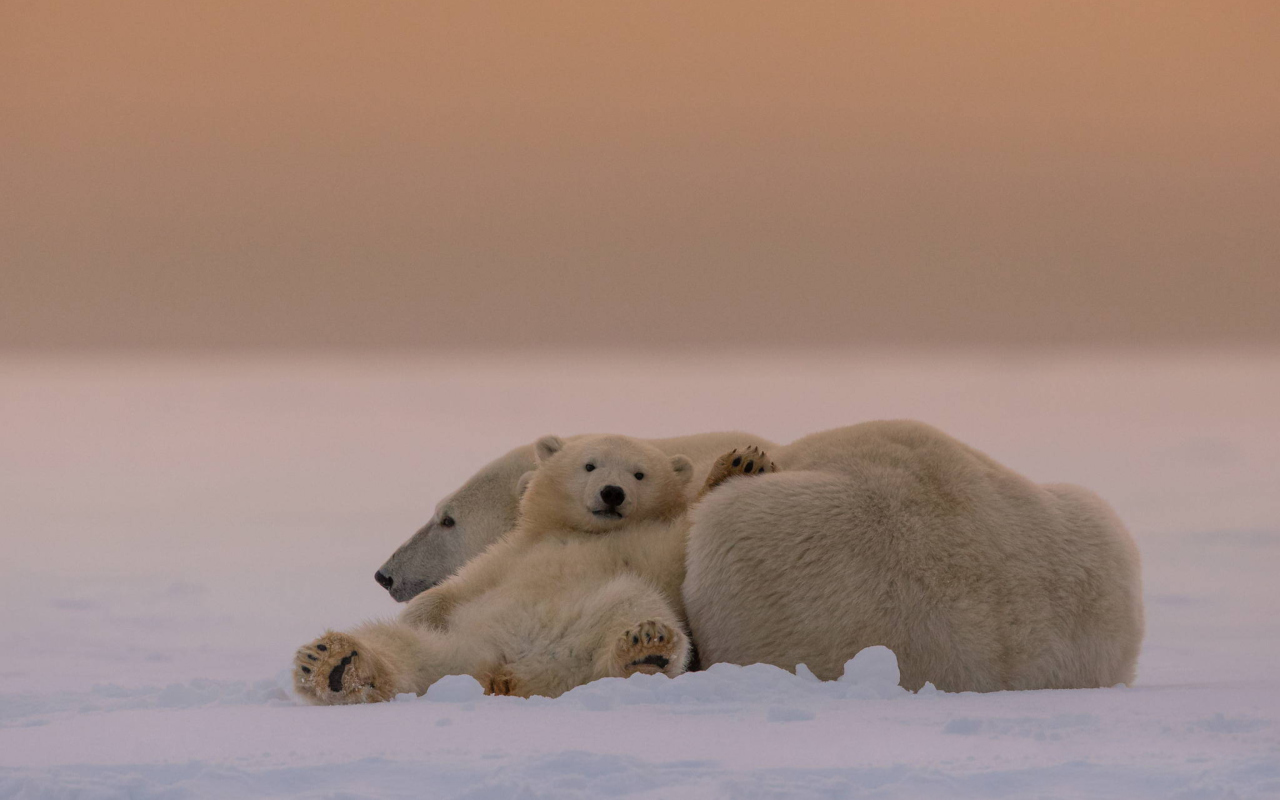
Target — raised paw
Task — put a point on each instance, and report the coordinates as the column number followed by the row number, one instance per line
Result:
column 650, row 647
column 748, row 461
column 336, row 669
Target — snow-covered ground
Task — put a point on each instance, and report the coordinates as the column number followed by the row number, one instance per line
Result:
column 173, row 530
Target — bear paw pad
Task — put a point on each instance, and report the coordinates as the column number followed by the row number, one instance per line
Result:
column 336, row 670
column 650, row 647
column 749, row 461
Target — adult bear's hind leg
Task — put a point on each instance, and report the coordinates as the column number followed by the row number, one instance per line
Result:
column 748, row 461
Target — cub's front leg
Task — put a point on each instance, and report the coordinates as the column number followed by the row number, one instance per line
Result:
column 433, row 607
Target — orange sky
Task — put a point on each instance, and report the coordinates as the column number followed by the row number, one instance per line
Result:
column 632, row 174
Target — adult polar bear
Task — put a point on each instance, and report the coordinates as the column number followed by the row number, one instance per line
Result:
column 886, row 533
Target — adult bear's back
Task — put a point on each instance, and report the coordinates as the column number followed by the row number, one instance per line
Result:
column 893, row 533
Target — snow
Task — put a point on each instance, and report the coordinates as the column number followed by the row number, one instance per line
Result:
column 172, row 530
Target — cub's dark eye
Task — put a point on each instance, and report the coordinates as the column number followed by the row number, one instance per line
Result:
column 590, row 467
column 639, row 476
column 447, row 522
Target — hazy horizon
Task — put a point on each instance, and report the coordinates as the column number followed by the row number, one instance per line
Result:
column 277, row 176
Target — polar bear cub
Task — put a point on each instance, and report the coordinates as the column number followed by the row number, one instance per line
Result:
column 586, row 586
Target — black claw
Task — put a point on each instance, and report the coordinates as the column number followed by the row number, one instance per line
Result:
column 635, row 639
column 307, row 670
column 313, row 658
column 322, row 647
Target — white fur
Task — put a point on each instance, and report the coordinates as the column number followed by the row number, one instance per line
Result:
column 549, row 606
column 889, row 533
column 485, row 508
column 895, row 534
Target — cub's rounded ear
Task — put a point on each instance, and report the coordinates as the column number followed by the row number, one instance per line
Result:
column 523, row 483
column 682, row 467
column 547, row 447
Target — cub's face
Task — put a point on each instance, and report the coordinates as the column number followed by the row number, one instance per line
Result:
column 597, row 483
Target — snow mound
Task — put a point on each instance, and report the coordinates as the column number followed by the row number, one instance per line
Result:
column 873, row 672
column 455, row 689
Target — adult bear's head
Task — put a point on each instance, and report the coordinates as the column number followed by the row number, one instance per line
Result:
column 463, row 525
column 598, row 483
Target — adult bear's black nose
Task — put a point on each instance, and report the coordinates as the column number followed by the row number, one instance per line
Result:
column 385, row 581
column 613, row 496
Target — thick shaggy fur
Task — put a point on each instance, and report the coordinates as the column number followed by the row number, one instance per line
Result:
column 887, row 533
column 581, row 589
column 895, row 534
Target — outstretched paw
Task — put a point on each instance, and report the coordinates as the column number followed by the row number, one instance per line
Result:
column 749, row 461
column 336, row 669
column 650, row 647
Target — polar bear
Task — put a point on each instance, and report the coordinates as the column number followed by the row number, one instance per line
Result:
column 586, row 586
column 484, row 508
column 893, row 533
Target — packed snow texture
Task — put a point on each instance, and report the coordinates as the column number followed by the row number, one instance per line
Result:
column 173, row 530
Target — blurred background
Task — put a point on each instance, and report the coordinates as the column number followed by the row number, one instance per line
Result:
column 277, row 277
column 248, row 176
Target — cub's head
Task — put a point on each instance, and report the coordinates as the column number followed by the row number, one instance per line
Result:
column 598, row 483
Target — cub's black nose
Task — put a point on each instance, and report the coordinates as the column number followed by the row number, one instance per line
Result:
column 384, row 581
column 613, row 496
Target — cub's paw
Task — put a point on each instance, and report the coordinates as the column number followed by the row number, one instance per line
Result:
column 502, row 681
column 650, row 647
column 749, row 461
column 336, row 669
